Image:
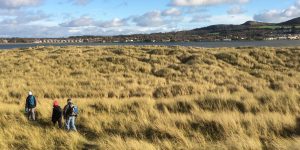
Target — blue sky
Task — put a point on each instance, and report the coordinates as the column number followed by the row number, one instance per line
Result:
column 62, row 18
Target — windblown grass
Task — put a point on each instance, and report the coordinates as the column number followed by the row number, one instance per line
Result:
column 153, row 97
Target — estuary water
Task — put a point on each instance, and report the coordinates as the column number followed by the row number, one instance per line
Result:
column 276, row 43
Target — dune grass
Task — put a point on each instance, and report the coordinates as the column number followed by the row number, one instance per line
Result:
column 153, row 97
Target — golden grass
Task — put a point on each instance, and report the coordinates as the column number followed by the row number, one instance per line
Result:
column 153, row 97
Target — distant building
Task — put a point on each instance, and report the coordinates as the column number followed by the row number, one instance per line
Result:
column 37, row 41
column 227, row 40
column 4, row 41
column 293, row 37
column 282, row 38
column 270, row 38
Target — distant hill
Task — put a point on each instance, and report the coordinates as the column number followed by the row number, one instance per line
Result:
column 221, row 27
column 293, row 22
column 256, row 23
column 250, row 30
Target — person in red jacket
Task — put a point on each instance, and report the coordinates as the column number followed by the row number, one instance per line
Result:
column 57, row 114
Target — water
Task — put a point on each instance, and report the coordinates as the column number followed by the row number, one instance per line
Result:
column 278, row 43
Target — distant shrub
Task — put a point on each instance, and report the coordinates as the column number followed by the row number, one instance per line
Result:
column 162, row 92
column 178, row 90
column 175, row 107
column 266, row 98
column 190, row 60
column 276, row 86
column 212, row 103
column 137, row 92
column 153, row 133
column 250, row 88
column 212, row 130
column 111, row 94
column 157, row 52
column 15, row 94
column 76, row 73
column 165, row 72
column 230, row 58
column 173, row 91
column 119, row 52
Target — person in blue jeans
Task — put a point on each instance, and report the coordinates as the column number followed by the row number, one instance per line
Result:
column 70, row 115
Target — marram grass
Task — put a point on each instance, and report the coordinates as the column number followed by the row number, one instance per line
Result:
column 153, row 97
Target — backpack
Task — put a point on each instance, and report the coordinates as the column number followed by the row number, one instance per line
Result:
column 31, row 101
column 71, row 110
column 75, row 110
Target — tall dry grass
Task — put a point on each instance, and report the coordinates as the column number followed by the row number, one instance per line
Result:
column 153, row 97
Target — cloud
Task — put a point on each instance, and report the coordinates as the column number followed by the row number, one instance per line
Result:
column 80, row 2
column 113, row 23
column 276, row 16
column 204, row 2
column 16, row 4
column 22, row 18
column 171, row 12
column 158, row 18
column 31, row 31
column 87, row 21
column 79, row 22
column 235, row 10
column 150, row 19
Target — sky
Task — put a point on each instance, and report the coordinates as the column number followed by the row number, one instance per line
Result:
column 63, row 18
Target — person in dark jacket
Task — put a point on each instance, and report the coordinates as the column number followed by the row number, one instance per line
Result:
column 30, row 106
column 57, row 114
column 70, row 116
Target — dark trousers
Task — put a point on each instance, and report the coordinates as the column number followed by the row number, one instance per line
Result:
column 59, row 122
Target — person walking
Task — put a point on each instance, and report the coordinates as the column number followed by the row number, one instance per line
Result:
column 30, row 106
column 57, row 114
column 70, row 114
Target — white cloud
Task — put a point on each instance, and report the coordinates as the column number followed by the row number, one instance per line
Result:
column 204, row 2
column 235, row 10
column 87, row 21
column 158, row 18
column 171, row 12
column 79, row 22
column 15, row 4
column 113, row 23
column 277, row 16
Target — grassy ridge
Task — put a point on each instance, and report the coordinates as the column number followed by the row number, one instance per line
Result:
column 154, row 97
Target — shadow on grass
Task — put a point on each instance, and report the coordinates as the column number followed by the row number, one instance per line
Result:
column 298, row 126
column 89, row 146
column 88, row 134
column 40, row 122
column 291, row 132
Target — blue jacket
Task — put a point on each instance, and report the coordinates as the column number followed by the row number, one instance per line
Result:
column 28, row 105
